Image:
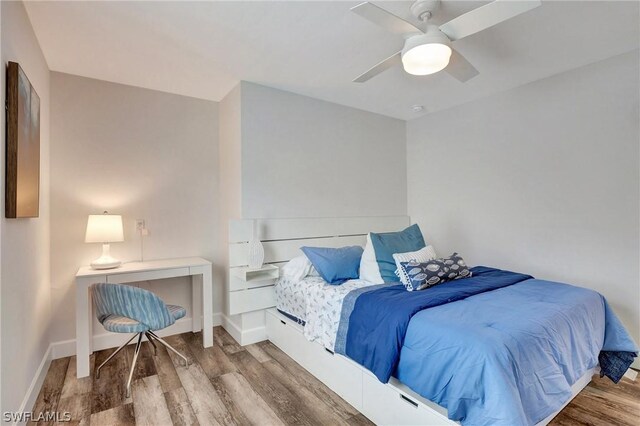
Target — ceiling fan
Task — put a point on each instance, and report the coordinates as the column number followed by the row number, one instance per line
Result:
column 429, row 51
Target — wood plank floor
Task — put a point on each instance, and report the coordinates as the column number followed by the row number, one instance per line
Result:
column 253, row 385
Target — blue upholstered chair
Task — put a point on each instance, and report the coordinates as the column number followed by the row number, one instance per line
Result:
column 126, row 309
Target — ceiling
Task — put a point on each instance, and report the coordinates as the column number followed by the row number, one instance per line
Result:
column 316, row 48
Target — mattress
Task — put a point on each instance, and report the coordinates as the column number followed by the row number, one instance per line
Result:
column 315, row 304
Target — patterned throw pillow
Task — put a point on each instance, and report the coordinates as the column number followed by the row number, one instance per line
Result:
column 434, row 272
column 423, row 255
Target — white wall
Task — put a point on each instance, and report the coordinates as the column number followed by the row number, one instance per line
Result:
column 230, row 168
column 303, row 157
column 542, row 179
column 230, row 158
column 24, row 265
column 136, row 152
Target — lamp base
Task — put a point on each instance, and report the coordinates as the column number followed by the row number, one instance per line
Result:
column 105, row 261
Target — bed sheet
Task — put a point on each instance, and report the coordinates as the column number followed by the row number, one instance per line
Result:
column 291, row 296
column 316, row 304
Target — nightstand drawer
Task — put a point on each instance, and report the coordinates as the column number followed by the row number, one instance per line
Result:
column 252, row 299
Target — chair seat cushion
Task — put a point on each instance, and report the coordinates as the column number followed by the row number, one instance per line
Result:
column 118, row 324
column 177, row 311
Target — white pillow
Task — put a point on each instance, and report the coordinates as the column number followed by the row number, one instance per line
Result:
column 298, row 268
column 423, row 255
column 369, row 270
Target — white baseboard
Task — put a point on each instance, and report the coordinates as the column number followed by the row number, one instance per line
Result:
column 36, row 384
column 113, row 340
column 244, row 337
column 231, row 328
column 253, row 335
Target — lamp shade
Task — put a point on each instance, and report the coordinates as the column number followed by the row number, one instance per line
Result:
column 104, row 228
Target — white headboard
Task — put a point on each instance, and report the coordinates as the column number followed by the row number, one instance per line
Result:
column 282, row 239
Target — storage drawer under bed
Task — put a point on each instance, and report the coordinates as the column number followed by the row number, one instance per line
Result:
column 338, row 373
column 384, row 404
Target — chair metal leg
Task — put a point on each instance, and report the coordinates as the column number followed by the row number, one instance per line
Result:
column 150, row 339
column 112, row 355
column 133, row 363
column 155, row 336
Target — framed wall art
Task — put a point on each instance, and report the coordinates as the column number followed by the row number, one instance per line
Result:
column 22, row 197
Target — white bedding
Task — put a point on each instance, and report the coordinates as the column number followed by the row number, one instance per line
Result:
column 291, row 295
column 317, row 303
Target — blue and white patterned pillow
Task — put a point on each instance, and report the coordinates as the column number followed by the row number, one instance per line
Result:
column 423, row 255
column 437, row 271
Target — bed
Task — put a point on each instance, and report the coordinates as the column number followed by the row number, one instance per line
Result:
column 498, row 349
column 410, row 390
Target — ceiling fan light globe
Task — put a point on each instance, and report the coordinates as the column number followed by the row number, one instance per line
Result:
column 426, row 59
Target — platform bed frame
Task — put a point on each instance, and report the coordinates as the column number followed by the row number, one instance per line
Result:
column 392, row 403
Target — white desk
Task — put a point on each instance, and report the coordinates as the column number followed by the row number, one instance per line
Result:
column 197, row 268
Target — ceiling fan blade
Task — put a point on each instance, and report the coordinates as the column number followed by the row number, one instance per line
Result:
column 385, row 19
column 486, row 16
column 460, row 68
column 391, row 61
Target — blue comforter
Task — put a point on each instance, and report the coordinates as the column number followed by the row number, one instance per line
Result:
column 499, row 348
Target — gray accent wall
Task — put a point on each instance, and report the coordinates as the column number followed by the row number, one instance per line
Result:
column 542, row 179
column 284, row 155
column 303, row 157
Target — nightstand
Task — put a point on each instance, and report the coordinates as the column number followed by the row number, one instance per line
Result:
column 251, row 289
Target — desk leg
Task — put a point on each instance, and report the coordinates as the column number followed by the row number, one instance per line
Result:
column 196, row 302
column 83, row 328
column 207, row 307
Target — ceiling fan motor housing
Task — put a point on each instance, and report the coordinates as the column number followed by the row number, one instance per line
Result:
column 423, row 9
column 432, row 36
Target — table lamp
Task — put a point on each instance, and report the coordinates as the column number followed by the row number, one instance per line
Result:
column 104, row 228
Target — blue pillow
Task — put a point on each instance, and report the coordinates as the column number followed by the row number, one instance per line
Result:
column 335, row 265
column 385, row 245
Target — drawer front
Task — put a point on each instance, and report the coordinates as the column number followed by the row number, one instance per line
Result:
column 385, row 405
column 133, row 277
column 250, row 300
column 338, row 373
column 288, row 336
column 284, row 335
